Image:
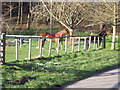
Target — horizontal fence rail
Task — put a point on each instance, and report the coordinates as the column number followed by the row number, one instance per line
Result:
column 39, row 37
column 86, row 38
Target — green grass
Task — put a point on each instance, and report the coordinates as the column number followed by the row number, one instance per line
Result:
column 55, row 70
column 23, row 52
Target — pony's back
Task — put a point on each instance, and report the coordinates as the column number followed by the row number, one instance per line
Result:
column 44, row 34
column 64, row 31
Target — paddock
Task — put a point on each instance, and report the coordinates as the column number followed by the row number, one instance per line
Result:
column 75, row 39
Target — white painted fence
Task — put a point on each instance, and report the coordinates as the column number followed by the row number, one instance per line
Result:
column 85, row 38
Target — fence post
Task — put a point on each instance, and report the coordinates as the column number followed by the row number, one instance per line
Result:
column 3, row 44
column 16, row 48
column 20, row 42
column 79, row 44
column 58, row 46
column 1, row 58
column 98, row 42
column 61, row 45
column 66, row 44
column 73, row 44
column 85, row 43
column 40, row 46
column 104, row 42
column 38, row 43
column 89, row 42
column 94, row 42
column 29, row 49
column 50, row 46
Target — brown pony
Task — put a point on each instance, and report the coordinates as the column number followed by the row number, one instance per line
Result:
column 58, row 34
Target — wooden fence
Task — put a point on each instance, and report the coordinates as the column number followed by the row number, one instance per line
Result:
column 2, row 48
column 16, row 37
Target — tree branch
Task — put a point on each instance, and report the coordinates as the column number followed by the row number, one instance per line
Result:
column 55, row 16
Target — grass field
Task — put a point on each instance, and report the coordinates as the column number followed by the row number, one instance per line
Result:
column 55, row 71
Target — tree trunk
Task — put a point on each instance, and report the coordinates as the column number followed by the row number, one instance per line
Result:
column 0, row 21
column 21, row 12
column 10, row 11
column 101, row 26
column 113, row 39
column 18, row 19
column 51, row 17
column 28, row 20
column 114, row 28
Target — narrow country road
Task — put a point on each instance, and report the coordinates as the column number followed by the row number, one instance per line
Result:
column 107, row 79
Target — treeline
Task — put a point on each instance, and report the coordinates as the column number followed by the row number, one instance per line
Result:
column 83, row 16
column 19, row 13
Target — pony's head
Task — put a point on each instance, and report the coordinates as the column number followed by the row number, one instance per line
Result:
column 65, row 31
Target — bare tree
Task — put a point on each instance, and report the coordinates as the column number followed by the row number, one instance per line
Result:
column 21, row 12
column 7, row 17
column 51, row 24
column 38, row 12
column 71, row 14
column 67, row 14
column 102, row 12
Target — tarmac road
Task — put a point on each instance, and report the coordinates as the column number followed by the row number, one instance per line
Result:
column 107, row 79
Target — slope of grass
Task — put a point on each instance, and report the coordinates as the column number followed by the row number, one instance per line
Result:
column 56, row 70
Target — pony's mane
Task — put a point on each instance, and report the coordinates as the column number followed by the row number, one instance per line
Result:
column 66, row 30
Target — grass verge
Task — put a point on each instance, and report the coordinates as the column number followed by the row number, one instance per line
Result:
column 57, row 70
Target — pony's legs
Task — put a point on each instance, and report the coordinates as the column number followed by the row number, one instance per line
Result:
column 61, row 45
column 43, row 41
column 87, row 44
column 70, row 42
column 56, row 43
